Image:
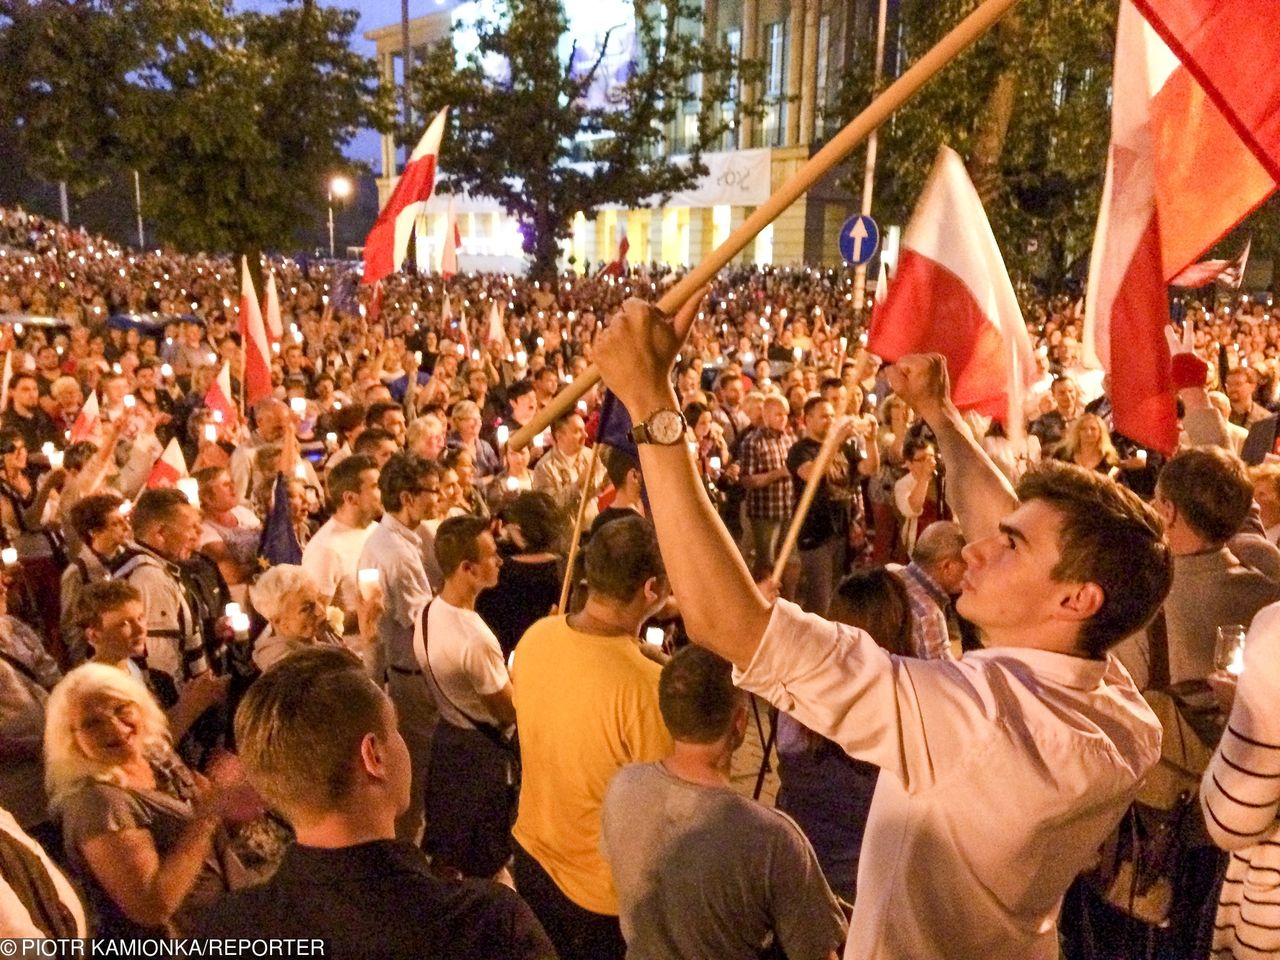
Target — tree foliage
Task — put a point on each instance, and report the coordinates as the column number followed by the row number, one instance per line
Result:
column 1029, row 109
column 524, row 131
column 234, row 120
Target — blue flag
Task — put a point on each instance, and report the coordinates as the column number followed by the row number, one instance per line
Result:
column 279, row 539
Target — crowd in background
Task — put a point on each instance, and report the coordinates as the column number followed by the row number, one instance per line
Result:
column 368, row 528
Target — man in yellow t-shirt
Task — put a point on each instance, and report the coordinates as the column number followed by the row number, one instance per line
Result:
column 586, row 702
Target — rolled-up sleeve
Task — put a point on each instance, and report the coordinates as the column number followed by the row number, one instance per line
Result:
column 909, row 717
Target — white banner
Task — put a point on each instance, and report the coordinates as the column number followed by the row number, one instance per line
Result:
column 739, row 178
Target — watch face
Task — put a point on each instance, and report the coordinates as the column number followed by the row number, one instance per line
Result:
column 666, row 427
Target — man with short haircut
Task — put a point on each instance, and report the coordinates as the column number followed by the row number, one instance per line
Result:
column 26, row 416
column 628, row 499
column 700, row 870
column 1051, row 428
column 408, row 488
column 824, row 534
column 1204, row 496
column 103, row 532
column 586, row 702
column 934, row 575
column 1239, row 387
column 471, row 776
column 377, row 444
column 562, row 470
column 332, row 555
column 272, row 418
column 1001, row 774
column 767, row 481
column 166, row 530
column 113, row 620
column 319, row 742
column 387, row 416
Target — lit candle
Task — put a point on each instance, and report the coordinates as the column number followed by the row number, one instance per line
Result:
column 298, row 405
column 166, row 371
column 714, row 463
column 55, row 459
column 503, row 432
column 331, row 440
column 129, row 401
column 9, row 556
column 512, row 483
column 210, row 433
column 367, row 581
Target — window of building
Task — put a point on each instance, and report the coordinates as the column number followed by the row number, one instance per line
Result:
column 775, row 71
column 824, row 56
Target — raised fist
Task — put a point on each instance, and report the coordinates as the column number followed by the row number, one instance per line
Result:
column 921, row 379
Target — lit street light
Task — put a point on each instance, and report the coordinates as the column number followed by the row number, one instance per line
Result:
column 339, row 187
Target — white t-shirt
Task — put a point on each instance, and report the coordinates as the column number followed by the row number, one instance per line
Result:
column 332, row 558
column 466, row 661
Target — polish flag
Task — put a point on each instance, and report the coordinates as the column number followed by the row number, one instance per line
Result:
column 253, row 340
column 218, row 397
column 449, row 249
column 619, row 266
column 952, row 295
column 388, row 241
column 275, row 327
column 169, row 469
column 86, row 425
column 1179, row 176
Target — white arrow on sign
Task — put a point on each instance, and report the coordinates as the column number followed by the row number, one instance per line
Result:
column 858, row 234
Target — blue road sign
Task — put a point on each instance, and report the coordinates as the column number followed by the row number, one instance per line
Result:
column 859, row 240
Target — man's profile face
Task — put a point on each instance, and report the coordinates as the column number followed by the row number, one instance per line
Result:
column 1008, row 587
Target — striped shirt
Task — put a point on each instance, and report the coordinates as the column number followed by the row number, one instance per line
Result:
column 1240, row 796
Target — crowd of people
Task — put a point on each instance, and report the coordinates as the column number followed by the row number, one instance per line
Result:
column 349, row 678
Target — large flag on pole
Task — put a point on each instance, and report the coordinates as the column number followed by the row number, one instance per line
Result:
column 951, row 295
column 219, row 399
column 253, row 340
column 388, row 241
column 1229, row 273
column 1179, row 176
column 452, row 241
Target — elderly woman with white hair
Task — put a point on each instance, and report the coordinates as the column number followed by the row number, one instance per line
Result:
column 144, row 833
column 467, row 422
column 295, row 612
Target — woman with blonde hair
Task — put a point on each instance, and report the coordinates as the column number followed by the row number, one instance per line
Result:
column 144, row 833
column 1088, row 444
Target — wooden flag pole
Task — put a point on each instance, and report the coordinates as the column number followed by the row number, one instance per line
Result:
column 965, row 34
column 576, row 538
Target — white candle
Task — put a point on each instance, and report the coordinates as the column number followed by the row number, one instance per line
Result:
column 9, row 556
column 367, row 581
column 298, row 405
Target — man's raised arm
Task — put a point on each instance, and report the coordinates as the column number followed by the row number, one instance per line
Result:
column 978, row 491
column 722, row 609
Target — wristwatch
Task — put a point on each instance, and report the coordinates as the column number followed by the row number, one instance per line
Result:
column 663, row 427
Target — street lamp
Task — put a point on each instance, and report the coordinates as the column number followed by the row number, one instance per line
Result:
column 339, row 187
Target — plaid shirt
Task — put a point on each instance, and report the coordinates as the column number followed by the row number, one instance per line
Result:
column 929, row 604
column 764, row 450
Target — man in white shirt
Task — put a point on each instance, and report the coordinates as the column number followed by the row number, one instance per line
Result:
column 1002, row 772
column 409, row 487
column 471, row 777
column 332, row 556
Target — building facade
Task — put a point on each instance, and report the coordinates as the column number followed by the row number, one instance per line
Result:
column 805, row 48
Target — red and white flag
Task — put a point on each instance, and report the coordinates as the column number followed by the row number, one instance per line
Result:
column 449, row 249
column 881, row 292
column 86, row 423
column 619, row 266
column 5, row 376
column 253, row 340
column 169, row 469
column 275, row 326
column 1229, row 273
column 1180, row 174
column 218, row 398
column 951, row 295
column 388, row 241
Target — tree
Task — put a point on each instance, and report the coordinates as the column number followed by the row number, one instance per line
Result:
column 529, row 128
column 239, row 130
column 1029, row 109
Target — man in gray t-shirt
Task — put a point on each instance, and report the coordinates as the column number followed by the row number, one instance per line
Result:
column 700, row 871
